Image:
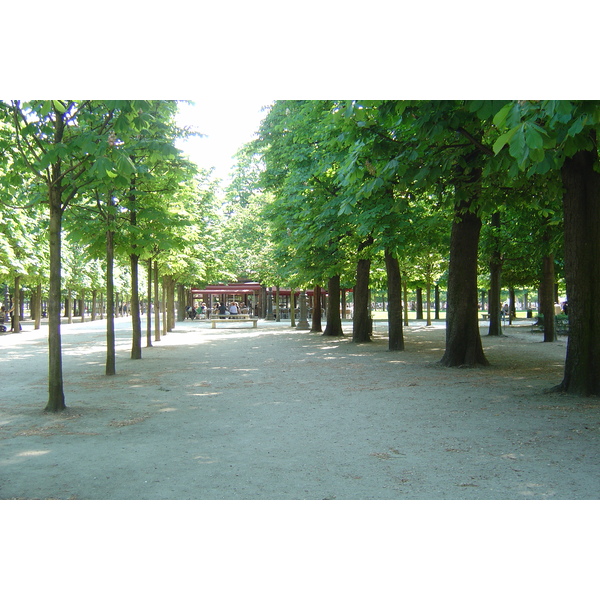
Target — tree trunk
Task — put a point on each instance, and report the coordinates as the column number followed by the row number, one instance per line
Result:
column 170, row 303
column 82, row 305
column 56, row 396
column 512, row 312
column 183, row 300
column 136, row 320
column 164, row 305
column 428, row 297
column 495, row 282
column 156, row 304
column 292, row 307
column 149, row 307
column 16, row 306
column 38, row 306
column 361, row 328
column 463, row 342
column 405, row 296
column 334, row 318
column 394, row 292
column 436, row 295
column 547, row 291
column 69, row 306
column 581, row 206
column 316, row 312
column 419, row 314
column 110, row 303
column 94, row 304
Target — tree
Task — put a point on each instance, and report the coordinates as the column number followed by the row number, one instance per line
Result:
column 536, row 138
column 69, row 147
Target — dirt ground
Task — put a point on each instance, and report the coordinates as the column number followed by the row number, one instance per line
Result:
column 277, row 413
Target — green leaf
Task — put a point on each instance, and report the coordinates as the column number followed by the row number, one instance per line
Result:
column 59, row 106
column 500, row 117
column 533, row 138
column 504, row 139
column 577, row 126
column 125, row 165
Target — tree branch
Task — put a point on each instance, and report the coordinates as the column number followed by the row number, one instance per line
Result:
column 475, row 142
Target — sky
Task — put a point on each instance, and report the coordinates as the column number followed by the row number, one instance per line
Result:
column 226, row 124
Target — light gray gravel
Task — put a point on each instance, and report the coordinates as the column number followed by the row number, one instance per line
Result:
column 276, row 413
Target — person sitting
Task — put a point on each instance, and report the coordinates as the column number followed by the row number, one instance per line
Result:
column 233, row 309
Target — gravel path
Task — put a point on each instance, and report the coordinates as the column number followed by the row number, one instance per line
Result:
column 276, row 413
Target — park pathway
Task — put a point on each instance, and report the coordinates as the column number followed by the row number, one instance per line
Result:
column 276, row 413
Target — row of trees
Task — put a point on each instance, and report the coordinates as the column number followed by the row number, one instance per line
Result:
column 332, row 193
column 90, row 185
column 445, row 188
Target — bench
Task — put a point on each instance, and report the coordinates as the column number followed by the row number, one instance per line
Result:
column 214, row 319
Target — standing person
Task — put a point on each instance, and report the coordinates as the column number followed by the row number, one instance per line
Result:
column 222, row 310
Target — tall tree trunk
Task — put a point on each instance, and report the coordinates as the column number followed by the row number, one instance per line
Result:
column 183, row 300
column 136, row 320
column 463, row 342
column 428, row 294
column 94, row 304
column 82, row 305
column 149, row 307
column 394, row 292
column 56, row 395
column 316, row 326
column 419, row 314
column 110, row 301
column 512, row 312
column 405, row 296
column 334, row 318
column 436, row 295
column 292, row 307
column 38, row 306
column 361, row 327
column 547, row 290
column 170, row 303
column 495, row 281
column 156, row 304
column 165, row 326
column 581, row 206
column 16, row 306
column 69, row 306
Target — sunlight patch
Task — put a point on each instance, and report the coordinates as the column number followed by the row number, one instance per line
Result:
column 33, row 452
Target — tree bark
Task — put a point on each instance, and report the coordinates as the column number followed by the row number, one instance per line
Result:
column 136, row 322
column 56, row 396
column 419, row 314
column 495, row 282
column 94, row 304
column 38, row 306
column 16, row 306
column 547, row 297
column 334, row 318
column 405, row 297
column 581, row 206
column 110, row 302
column 361, row 328
column 394, row 292
column 463, row 342
column 156, row 304
column 316, row 326
column 148, row 308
